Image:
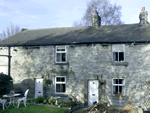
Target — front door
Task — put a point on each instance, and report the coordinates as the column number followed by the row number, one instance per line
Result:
column 38, row 87
column 92, row 92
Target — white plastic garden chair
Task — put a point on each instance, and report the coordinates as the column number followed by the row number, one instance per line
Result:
column 3, row 102
column 24, row 99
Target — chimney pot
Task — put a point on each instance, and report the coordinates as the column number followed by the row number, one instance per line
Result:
column 143, row 8
column 95, row 12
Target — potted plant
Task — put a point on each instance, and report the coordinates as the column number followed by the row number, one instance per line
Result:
column 118, row 95
column 129, row 105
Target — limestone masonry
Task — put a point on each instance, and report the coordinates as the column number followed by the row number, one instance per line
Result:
column 84, row 62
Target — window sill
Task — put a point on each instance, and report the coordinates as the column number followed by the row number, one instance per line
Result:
column 120, row 63
column 119, row 98
column 61, row 95
column 66, row 63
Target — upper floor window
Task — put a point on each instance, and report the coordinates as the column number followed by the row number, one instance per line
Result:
column 60, row 56
column 118, row 52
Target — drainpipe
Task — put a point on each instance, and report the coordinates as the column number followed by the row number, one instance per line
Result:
column 9, row 61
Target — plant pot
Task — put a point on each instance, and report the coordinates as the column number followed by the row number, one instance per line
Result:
column 105, row 103
column 118, row 95
column 128, row 107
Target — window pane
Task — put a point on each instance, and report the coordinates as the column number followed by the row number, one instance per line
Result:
column 62, row 79
column 115, row 89
column 120, row 89
column 60, row 48
column 58, row 88
column 121, row 56
column 120, row 81
column 115, row 55
column 58, row 79
column 115, row 81
column 63, row 89
column 63, row 57
column 58, row 57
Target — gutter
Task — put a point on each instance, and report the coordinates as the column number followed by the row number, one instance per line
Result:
column 9, row 61
column 74, row 43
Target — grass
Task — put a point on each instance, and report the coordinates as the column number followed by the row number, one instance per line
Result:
column 33, row 109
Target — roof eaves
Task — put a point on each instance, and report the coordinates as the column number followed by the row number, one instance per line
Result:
column 75, row 43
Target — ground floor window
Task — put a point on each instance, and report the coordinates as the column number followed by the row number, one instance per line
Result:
column 60, row 84
column 118, row 86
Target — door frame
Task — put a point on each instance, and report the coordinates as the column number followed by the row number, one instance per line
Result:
column 88, row 89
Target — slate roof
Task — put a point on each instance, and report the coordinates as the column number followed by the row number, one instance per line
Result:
column 126, row 33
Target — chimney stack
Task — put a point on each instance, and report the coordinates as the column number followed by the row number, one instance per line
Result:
column 96, row 20
column 143, row 17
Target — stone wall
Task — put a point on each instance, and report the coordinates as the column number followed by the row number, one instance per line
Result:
column 85, row 62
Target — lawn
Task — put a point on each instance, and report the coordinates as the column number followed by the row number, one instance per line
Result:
column 33, row 109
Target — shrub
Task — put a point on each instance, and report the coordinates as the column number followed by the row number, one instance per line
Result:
column 33, row 100
column 39, row 99
column 5, row 84
column 45, row 101
column 47, row 81
column 68, row 104
column 29, row 101
column 50, row 101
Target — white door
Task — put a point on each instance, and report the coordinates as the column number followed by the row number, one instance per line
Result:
column 92, row 92
column 38, row 87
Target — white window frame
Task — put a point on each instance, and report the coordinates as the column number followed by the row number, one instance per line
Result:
column 60, row 83
column 60, row 52
column 118, row 52
column 118, row 85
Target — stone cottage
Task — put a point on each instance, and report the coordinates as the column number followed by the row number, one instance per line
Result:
column 90, row 63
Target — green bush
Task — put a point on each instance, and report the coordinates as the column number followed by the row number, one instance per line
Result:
column 47, row 81
column 31, row 101
column 45, row 101
column 50, row 101
column 67, row 103
column 5, row 84
column 39, row 99
column 28, row 101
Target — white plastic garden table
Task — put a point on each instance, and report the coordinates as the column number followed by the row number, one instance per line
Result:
column 56, row 103
column 11, row 96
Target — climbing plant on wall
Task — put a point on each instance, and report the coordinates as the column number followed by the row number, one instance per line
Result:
column 5, row 84
column 147, row 93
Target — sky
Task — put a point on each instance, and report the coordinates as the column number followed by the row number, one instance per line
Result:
column 38, row 14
